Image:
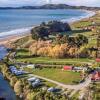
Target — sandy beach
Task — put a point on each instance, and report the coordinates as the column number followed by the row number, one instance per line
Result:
column 8, row 40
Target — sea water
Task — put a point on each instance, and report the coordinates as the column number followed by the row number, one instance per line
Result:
column 20, row 21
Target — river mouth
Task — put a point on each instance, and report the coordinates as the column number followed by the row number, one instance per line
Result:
column 6, row 92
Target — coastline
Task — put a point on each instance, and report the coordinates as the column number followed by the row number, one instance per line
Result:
column 13, row 35
column 7, row 40
column 72, row 20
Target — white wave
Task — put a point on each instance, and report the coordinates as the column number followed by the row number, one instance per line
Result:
column 87, row 15
column 21, row 31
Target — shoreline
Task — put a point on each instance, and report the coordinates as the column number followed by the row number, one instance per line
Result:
column 16, row 34
column 89, row 14
column 8, row 40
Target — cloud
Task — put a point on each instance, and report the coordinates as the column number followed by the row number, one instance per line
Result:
column 39, row 2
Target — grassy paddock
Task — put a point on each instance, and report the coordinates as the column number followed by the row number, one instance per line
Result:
column 23, row 56
column 66, row 77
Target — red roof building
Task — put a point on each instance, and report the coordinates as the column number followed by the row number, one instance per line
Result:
column 96, row 76
column 67, row 67
column 98, row 60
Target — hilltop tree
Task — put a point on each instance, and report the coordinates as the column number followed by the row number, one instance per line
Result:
column 45, row 29
column 39, row 32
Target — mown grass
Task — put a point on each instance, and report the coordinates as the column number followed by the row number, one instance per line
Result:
column 43, row 60
column 66, row 77
column 96, row 93
column 23, row 56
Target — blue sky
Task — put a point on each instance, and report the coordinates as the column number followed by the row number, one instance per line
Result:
column 39, row 2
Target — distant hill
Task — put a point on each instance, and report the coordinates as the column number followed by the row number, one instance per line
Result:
column 53, row 6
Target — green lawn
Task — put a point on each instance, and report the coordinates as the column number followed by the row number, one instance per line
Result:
column 46, row 60
column 23, row 56
column 96, row 93
column 66, row 77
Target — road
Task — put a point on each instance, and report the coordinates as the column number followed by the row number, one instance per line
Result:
column 75, row 87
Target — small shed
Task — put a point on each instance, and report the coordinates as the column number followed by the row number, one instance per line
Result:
column 67, row 67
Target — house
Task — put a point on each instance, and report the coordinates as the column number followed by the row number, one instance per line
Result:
column 68, row 68
column 96, row 76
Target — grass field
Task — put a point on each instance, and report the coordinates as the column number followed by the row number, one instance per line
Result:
column 96, row 93
column 66, row 77
column 23, row 56
column 43, row 60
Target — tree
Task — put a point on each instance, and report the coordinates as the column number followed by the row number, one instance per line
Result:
column 39, row 32
column 83, row 52
column 45, row 29
column 13, row 80
column 18, row 88
column 61, row 39
column 81, row 40
column 72, row 52
column 30, row 96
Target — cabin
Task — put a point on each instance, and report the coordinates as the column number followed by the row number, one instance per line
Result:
column 36, row 84
column 34, row 81
column 15, row 71
column 78, row 69
column 28, row 65
column 67, row 68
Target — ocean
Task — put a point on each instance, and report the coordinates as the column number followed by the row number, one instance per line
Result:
column 20, row 21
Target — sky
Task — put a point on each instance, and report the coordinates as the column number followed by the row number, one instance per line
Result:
column 13, row 3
